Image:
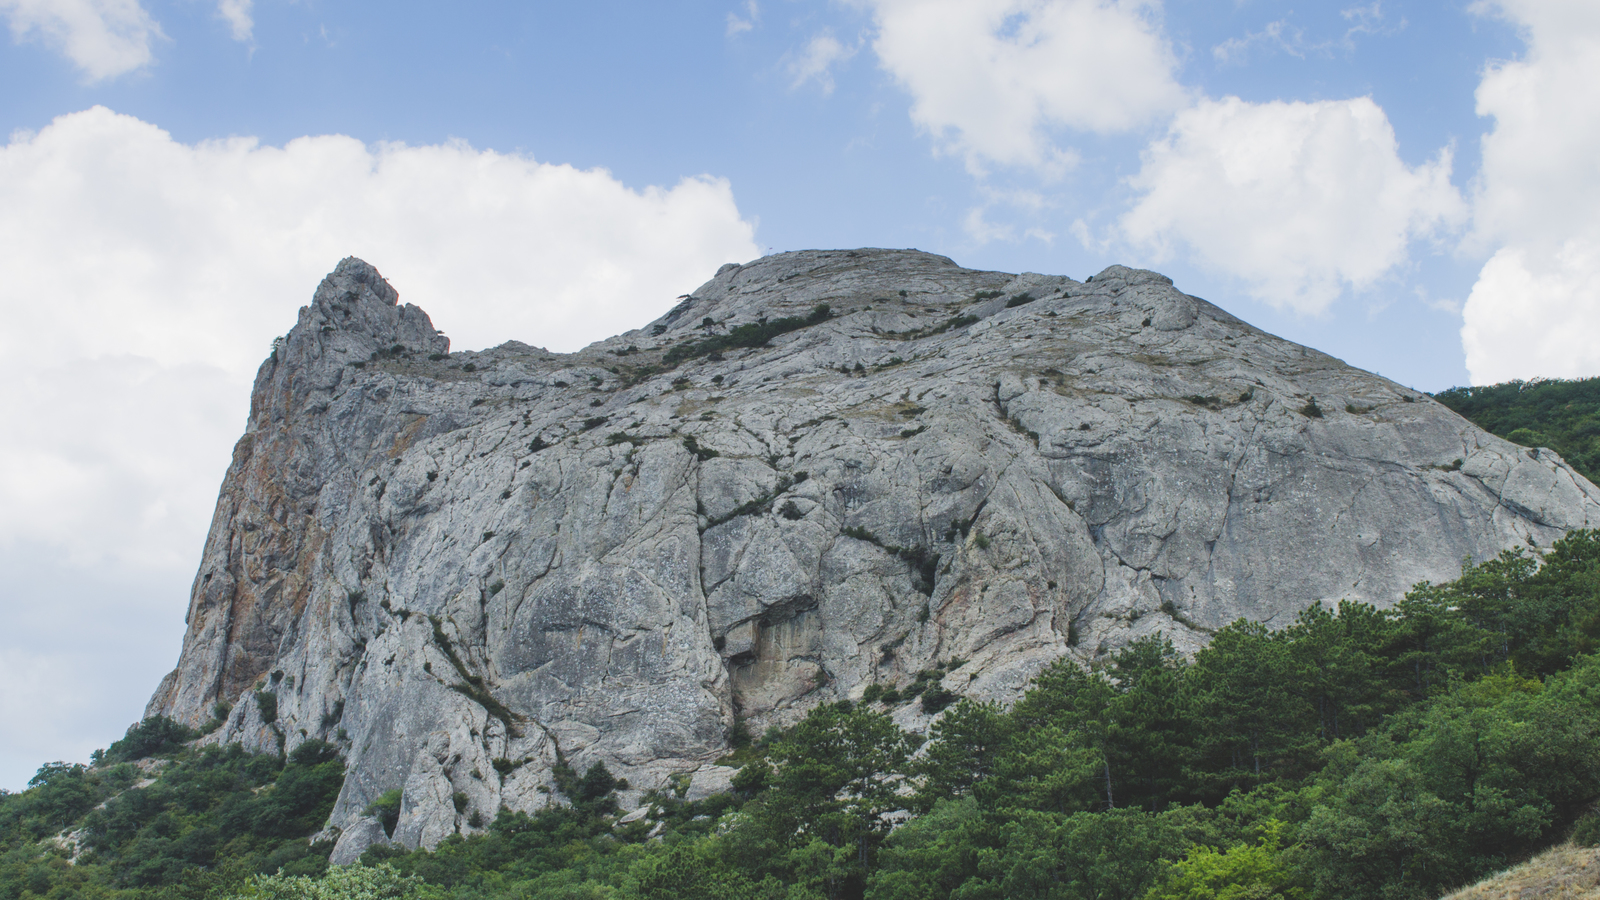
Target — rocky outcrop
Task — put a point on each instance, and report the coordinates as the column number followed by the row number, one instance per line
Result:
column 468, row 568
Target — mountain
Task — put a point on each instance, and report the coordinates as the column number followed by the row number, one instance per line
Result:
column 819, row 472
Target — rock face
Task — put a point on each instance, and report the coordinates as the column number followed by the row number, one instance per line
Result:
column 466, row 569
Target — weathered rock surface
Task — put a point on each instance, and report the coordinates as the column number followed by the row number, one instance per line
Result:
column 465, row 568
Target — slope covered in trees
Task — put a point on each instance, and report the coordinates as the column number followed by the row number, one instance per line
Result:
column 186, row 823
column 1357, row 753
column 1559, row 414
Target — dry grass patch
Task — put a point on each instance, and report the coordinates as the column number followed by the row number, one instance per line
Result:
column 1565, row 873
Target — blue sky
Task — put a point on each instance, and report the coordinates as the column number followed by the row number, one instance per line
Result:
column 1409, row 186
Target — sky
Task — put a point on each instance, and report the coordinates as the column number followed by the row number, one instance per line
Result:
column 1412, row 187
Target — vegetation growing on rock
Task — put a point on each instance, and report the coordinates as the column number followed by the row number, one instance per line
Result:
column 1357, row 753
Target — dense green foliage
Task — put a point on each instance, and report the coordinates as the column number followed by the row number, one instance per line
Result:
column 207, row 821
column 155, row 736
column 380, row 882
column 1555, row 413
column 1357, row 753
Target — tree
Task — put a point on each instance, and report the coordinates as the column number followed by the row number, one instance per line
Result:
column 1150, row 727
column 1251, row 724
column 1111, row 855
column 835, row 774
column 1068, row 711
column 690, row 871
column 1381, row 835
column 1242, row 872
column 155, row 735
column 936, row 853
column 964, row 747
column 1339, row 667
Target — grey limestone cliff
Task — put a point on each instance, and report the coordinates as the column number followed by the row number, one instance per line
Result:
column 467, row 568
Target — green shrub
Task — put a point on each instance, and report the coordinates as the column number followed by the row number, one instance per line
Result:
column 154, row 736
column 860, row 534
column 219, row 716
column 267, row 704
column 700, row 453
column 754, row 334
column 387, row 809
column 936, row 698
column 1586, row 833
column 950, row 324
column 379, row 882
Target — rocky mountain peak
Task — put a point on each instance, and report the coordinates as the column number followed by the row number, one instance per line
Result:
column 354, row 316
column 819, row 472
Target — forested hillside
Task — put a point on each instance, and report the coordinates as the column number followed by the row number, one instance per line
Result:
column 1555, row 413
column 155, row 818
column 1357, row 753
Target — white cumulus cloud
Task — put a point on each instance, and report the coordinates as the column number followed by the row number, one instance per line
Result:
column 1299, row 200
column 147, row 274
column 1535, row 309
column 103, row 38
column 994, row 80
column 146, row 278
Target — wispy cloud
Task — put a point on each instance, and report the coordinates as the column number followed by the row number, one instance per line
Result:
column 1291, row 39
column 1368, row 20
column 816, row 62
column 738, row 24
column 1281, row 34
